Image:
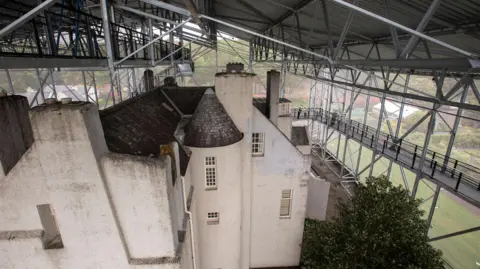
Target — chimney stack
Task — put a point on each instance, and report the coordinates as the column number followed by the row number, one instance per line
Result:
column 273, row 95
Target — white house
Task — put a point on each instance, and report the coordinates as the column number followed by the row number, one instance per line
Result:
column 393, row 109
column 174, row 178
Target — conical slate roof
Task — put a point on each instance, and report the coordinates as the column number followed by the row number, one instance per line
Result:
column 210, row 125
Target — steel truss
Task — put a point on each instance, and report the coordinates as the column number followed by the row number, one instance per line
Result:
column 338, row 69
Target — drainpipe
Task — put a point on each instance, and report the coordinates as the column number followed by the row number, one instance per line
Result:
column 185, row 207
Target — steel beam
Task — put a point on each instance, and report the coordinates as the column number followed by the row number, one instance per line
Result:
column 434, row 204
column 144, row 14
column 299, row 6
column 26, row 17
column 401, row 94
column 346, row 27
column 153, row 41
column 421, row 26
column 406, row 29
column 170, row 7
column 445, row 236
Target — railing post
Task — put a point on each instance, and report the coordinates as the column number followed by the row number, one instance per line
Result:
column 454, row 168
column 371, row 142
column 388, row 136
column 398, row 150
column 413, row 160
column 434, row 167
column 361, row 138
column 416, row 146
column 433, row 158
column 353, row 131
column 384, row 145
column 458, row 181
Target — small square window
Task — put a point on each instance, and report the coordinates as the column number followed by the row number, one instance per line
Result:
column 210, row 173
column 213, row 218
column 258, row 142
column 284, row 109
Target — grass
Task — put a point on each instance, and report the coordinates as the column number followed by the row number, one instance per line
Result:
column 450, row 214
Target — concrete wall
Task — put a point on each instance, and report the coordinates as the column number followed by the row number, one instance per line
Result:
column 285, row 126
column 15, row 131
column 218, row 244
column 318, row 190
column 63, row 168
column 275, row 241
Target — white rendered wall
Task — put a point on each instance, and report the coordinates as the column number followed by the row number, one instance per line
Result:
column 235, row 92
column 285, row 126
column 62, row 168
column 276, row 242
column 218, row 244
column 317, row 202
column 140, row 188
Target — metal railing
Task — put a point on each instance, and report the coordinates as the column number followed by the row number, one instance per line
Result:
column 404, row 152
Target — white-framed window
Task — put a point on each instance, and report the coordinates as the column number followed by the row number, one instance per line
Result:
column 284, row 109
column 210, row 172
column 258, row 144
column 213, row 218
column 286, row 204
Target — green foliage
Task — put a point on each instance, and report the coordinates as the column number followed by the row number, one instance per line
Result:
column 380, row 227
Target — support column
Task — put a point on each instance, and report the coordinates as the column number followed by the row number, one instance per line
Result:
column 250, row 57
column 148, row 80
column 431, row 127
column 108, row 47
column 151, row 49
column 10, row 84
column 455, row 128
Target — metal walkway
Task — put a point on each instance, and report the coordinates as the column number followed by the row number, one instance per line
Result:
column 460, row 178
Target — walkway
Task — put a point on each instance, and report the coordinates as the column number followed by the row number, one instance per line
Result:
column 460, row 178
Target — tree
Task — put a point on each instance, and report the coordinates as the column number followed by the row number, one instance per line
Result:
column 380, row 227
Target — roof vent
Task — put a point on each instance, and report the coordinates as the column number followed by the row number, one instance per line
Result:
column 235, row 67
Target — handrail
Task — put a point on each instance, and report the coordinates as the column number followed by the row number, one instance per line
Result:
column 460, row 171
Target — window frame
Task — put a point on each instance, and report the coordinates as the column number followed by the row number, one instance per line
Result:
column 287, row 199
column 210, row 163
column 213, row 218
column 260, row 145
column 284, row 109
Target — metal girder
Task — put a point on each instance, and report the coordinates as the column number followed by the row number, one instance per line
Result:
column 74, row 63
column 25, row 18
column 255, row 10
column 406, row 29
column 449, row 63
column 144, row 14
column 421, row 26
column 300, row 5
column 401, row 94
column 346, row 27
column 445, row 236
column 170, row 7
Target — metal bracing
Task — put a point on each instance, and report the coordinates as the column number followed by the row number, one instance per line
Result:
column 466, row 231
column 25, row 18
column 406, row 29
